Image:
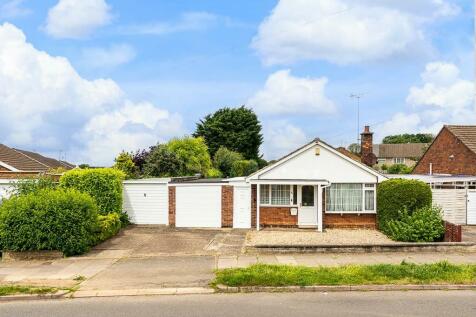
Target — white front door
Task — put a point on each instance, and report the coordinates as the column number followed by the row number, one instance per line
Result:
column 307, row 202
column 471, row 208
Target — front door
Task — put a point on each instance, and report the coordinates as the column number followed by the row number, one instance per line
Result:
column 307, row 210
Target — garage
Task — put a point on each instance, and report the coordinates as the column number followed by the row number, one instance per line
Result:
column 198, row 205
column 146, row 201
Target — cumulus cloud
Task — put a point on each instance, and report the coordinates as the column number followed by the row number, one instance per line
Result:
column 345, row 31
column 287, row 94
column 280, row 138
column 77, row 19
column 442, row 98
column 108, row 57
column 48, row 106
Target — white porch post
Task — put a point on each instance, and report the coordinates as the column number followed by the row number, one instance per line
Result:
column 319, row 208
column 257, row 205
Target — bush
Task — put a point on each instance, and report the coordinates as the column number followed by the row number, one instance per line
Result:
column 395, row 195
column 161, row 162
column 224, row 160
column 33, row 185
column 214, row 173
column 243, row 168
column 124, row 163
column 424, row 225
column 107, row 227
column 399, row 169
column 104, row 185
column 60, row 219
column 193, row 152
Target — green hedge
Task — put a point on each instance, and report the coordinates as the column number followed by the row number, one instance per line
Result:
column 424, row 225
column 102, row 184
column 394, row 195
column 59, row 219
column 107, row 227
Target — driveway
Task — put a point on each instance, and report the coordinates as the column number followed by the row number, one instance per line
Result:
column 469, row 233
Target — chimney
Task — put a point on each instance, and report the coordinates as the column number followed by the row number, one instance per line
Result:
column 366, row 147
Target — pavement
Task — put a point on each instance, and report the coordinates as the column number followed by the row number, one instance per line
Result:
column 469, row 233
column 421, row 303
column 147, row 259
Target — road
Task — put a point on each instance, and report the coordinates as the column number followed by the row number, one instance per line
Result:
column 426, row 303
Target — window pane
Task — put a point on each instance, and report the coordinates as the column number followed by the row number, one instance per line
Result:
column 280, row 194
column 264, row 194
column 307, row 196
column 294, row 195
column 344, row 197
column 369, row 200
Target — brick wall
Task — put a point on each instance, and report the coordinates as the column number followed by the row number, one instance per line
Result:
column 227, row 206
column 277, row 217
column 253, row 206
column 446, row 145
column 172, row 206
column 452, row 232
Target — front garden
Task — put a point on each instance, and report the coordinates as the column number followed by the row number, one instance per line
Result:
column 81, row 210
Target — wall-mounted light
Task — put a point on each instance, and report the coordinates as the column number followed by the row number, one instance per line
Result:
column 318, row 151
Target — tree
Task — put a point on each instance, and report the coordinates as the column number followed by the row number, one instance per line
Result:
column 354, row 148
column 408, row 138
column 224, row 160
column 237, row 129
column 123, row 162
column 161, row 162
column 193, row 153
column 140, row 156
column 243, row 168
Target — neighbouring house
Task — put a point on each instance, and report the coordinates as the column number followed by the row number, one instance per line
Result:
column 315, row 186
column 15, row 163
column 405, row 153
column 453, row 152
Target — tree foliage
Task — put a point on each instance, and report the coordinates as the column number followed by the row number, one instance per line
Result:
column 124, row 163
column 408, row 138
column 224, row 160
column 399, row 169
column 161, row 162
column 243, row 168
column 237, row 129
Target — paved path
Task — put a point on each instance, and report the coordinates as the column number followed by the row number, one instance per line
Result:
column 426, row 303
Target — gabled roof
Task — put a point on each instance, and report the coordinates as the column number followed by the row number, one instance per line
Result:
column 415, row 150
column 20, row 160
column 465, row 133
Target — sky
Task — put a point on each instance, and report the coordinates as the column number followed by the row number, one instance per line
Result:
column 84, row 80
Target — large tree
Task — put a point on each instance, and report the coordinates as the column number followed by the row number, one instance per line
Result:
column 408, row 138
column 237, row 129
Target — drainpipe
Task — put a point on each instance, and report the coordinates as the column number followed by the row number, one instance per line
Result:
column 431, row 169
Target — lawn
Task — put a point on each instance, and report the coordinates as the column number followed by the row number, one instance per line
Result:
column 16, row 289
column 404, row 273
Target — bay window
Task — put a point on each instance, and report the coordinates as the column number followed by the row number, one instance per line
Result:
column 350, row 198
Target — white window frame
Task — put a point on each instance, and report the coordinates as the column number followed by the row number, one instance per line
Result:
column 398, row 160
column 270, row 199
column 365, row 187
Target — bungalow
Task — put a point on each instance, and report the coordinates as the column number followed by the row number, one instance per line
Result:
column 315, row 186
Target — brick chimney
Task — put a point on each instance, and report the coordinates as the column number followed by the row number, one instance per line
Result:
column 366, row 147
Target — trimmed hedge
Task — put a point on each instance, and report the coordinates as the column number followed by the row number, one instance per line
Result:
column 104, row 185
column 394, row 195
column 424, row 225
column 60, row 219
column 107, row 227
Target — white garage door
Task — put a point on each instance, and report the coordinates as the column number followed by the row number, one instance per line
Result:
column 471, row 208
column 242, row 207
column 198, row 206
column 146, row 204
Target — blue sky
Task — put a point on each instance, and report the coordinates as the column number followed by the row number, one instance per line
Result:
column 91, row 78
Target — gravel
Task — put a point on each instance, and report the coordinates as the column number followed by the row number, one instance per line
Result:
column 328, row 237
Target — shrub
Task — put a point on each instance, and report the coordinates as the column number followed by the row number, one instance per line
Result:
column 104, row 185
column 243, row 168
column 399, row 169
column 395, row 195
column 214, row 173
column 424, row 225
column 60, row 219
column 33, row 185
column 123, row 162
column 224, row 160
column 193, row 152
column 161, row 162
column 107, row 227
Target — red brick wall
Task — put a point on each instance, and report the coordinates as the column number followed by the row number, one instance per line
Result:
column 227, row 206
column 277, row 217
column 172, row 206
column 453, row 232
column 445, row 145
column 253, row 206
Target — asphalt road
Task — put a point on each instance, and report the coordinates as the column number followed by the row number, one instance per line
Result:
column 427, row 303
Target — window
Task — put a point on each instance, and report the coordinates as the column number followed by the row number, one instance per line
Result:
column 399, row 160
column 280, row 195
column 294, row 202
column 381, row 160
column 264, row 194
column 350, row 198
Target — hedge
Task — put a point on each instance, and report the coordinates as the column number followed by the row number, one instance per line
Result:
column 107, row 227
column 59, row 219
column 104, row 185
column 394, row 195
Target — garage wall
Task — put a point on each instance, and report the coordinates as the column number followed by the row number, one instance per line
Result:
column 453, row 203
column 146, row 203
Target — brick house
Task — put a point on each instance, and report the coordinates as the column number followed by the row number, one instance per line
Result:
column 453, row 152
column 315, row 186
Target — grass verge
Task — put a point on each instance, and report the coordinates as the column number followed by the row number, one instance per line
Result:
column 17, row 289
column 404, row 273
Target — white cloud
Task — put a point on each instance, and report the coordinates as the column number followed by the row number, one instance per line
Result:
column 13, row 9
column 77, row 19
column 442, row 98
column 280, row 138
column 287, row 94
column 109, row 57
column 45, row 103
column 188, row 21
column 345, row 31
